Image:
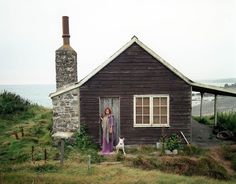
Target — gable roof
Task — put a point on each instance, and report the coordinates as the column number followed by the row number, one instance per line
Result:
column 134, row 39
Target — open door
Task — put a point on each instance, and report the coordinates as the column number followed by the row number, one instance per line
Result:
column 114, row 104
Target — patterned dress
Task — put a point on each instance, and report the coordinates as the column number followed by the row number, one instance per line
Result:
column 107, row 134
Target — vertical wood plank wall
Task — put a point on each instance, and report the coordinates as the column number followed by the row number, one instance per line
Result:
column 136, row 72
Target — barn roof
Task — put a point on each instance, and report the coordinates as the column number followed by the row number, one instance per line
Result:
column 195, row 86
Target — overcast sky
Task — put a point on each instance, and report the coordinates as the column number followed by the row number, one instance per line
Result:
column 197, row 37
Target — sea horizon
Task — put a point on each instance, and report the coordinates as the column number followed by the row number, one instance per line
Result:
column 39, row 93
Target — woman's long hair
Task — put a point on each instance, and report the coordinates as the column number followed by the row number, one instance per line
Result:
column 107, row 108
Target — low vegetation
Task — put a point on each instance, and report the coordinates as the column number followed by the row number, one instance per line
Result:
column 22, row 127
column 11, row 103
column 229, row 153
column 227, row 120
column 25, row 138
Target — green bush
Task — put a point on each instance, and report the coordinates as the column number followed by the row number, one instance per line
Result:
column 84, row 144
column 83, row 141
column 95, row 157
column 173, row 142
column 227, row 120
column 11, row 103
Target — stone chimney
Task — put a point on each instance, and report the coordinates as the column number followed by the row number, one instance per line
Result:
column 66, row 59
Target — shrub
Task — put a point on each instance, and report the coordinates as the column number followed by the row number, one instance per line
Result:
column 95, row 157
column 84, row 144
column 227, row 120
column 11, row 103
column 83, row 141
column 173, row 142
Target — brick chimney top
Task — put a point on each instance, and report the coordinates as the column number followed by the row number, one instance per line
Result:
column 65, row 30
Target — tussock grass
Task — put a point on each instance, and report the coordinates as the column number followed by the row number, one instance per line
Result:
column 73, row 172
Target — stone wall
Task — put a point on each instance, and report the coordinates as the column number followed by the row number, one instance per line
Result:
column 66, row 111
column 66, row 66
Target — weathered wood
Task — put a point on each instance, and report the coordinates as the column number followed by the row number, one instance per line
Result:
column 201, row 103
column 215, row 110
column 62, row 152
column 135, row 72
column 32, row 154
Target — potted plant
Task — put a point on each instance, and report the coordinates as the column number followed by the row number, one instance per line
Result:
column 173, row 144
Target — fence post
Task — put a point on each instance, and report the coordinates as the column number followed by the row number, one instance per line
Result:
column 22, row 132
column 45, row 155
column 89, row 164
column 62, row 152
column 32, row 153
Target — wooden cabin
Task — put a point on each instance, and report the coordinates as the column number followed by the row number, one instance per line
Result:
column 148, row 97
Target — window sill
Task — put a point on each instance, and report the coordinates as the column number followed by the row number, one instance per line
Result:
column 150, row 126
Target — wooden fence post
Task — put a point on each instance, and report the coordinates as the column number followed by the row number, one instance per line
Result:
column 89, row 164
column 32, row 153
column 62, row 152
column 45, row 155
column 22, row 132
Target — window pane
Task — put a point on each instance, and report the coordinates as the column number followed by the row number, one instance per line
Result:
column 163, row 110
column 138, row 119
column 146, row 119
column 146, row 101
column 139, row 101
column 139, row 110
column 155, row 101
column 164, row 101
column 146, row 110
column 156, row 111
column 156, row 120
column 163, row 119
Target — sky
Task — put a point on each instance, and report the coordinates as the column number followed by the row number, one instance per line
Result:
column 197, row 37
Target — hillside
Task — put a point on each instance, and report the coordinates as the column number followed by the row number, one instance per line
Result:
column 19, row 132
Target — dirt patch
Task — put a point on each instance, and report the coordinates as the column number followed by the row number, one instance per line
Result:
column 202, row 136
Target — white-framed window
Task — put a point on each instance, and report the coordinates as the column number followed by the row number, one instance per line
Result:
column 151, row 110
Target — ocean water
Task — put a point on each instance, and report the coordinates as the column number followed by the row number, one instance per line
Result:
column 38, row 93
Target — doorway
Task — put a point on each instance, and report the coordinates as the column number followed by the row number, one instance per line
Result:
column 114, row 104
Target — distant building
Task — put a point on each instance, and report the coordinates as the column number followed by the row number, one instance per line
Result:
column 145, row 93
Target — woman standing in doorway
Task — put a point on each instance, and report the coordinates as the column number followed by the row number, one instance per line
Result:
column 107, row 131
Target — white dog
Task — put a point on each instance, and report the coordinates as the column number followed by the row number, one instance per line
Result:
column 121, row 145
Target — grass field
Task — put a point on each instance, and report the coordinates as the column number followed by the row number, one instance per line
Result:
column 75, row 172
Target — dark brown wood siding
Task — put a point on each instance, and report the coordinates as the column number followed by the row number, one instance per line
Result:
column 135, row 72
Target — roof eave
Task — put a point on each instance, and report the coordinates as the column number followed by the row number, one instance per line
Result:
column 203, row 88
